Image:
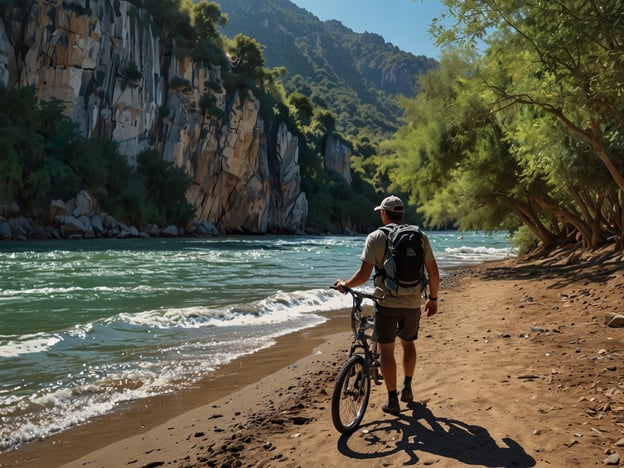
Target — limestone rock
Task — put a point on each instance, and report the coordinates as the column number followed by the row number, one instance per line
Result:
column 84, row 204
column 70, row 226
column 97, row 224
column 338, row 157
column 612, row 459
column 57, row 208
column 170, row 231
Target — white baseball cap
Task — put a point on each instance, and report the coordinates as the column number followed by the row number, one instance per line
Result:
column 391, row 203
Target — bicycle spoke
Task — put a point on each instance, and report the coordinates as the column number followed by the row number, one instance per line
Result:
column 350, row 395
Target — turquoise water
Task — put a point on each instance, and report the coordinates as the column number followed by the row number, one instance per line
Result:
column 86, row 325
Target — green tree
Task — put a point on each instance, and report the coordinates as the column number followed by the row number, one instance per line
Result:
column 247, row 64
column 17, row 137
column 208, row 43
column 450, row 157
column 489, row 170
column 38, row 143
column 303, row 107
column 206, row 17
column 165, row 185
column 563, row 60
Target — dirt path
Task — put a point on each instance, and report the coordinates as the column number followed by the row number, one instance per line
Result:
column 518, row 369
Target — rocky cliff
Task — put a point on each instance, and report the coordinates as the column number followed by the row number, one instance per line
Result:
column 338, row 157
column 104, row 61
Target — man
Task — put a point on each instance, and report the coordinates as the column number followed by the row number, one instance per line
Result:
column 395, row 315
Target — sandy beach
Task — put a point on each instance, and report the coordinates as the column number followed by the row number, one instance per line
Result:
column 518, row 368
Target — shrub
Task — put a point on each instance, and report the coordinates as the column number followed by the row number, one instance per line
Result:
column 180, row 84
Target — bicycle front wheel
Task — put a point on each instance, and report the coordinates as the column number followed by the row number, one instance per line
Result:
column 351, row 395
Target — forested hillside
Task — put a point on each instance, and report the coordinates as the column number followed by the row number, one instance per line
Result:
column 356, row 76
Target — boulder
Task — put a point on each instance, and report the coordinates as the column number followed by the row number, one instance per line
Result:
column 206, row 228
column 70, row 226
column 97, row 224
column 83, row 204
column 169, row 231
column 127, row 232
column 21, row 227
column 152, row 230
column 57, row 208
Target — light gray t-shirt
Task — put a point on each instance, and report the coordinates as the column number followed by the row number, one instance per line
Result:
column 374, row 252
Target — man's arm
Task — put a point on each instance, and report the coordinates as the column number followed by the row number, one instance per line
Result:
column 431, row 306
column 359, row 277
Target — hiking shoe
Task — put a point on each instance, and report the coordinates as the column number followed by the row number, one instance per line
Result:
column 406, row 394
column 392, row 406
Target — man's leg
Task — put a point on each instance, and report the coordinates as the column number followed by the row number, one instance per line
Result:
column 388, row 370
column 409, row 357
column 409, row 364
column 388, row 365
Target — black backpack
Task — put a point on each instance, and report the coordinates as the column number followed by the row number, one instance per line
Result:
column 404, row 261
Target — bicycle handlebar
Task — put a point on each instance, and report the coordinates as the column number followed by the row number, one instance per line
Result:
column 358, row 294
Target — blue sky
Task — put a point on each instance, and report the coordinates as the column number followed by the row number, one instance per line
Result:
column 404, row 23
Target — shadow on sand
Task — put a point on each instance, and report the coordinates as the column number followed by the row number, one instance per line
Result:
column 417, row 431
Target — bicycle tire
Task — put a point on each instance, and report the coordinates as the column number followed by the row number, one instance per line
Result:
column 351, row 394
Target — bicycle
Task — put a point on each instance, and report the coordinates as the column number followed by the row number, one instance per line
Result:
column 353, row 384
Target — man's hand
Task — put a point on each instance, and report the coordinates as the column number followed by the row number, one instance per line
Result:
column 431, row 307
column 340, row 286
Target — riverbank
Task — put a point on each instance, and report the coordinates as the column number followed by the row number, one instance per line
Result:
column 517, row 369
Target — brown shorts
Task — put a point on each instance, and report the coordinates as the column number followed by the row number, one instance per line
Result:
column 391, row 322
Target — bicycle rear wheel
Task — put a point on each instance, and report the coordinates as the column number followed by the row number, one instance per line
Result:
column 351, row 395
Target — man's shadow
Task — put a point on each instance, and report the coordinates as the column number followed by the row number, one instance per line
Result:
column 418, row 430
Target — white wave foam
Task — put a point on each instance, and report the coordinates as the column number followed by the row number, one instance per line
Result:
column 28, row 344
column 59, row 291
column 477, row 254
column 280, row 307
column 52, row 410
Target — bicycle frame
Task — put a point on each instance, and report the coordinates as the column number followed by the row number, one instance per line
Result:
column 363, row 328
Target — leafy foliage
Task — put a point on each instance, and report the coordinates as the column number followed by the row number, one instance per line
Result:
column 527, row 136
column 169, row 206
column 44, row 157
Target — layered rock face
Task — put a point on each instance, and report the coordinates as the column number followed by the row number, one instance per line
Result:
column 102, row 59
column 338, row 157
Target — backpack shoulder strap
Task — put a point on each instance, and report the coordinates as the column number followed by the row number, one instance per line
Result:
column 387, row 229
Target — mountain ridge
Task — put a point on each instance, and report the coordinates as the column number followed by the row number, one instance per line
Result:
column 358, row 76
